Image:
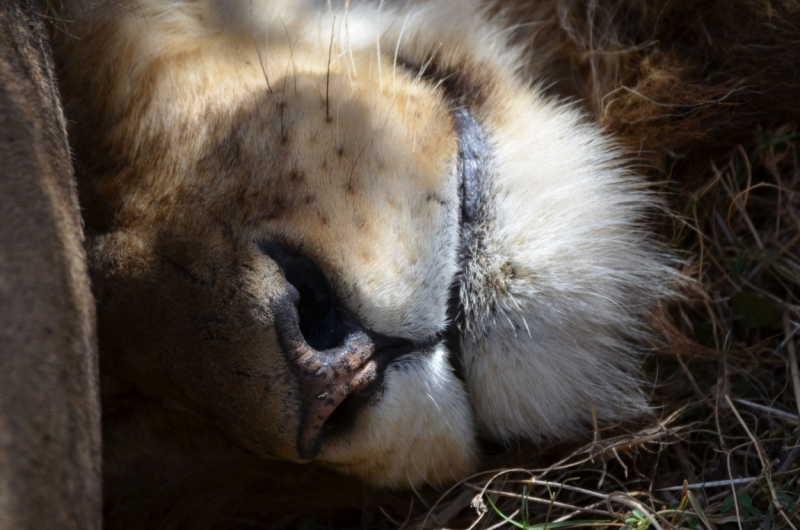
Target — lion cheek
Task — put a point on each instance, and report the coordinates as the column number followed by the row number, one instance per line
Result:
column 420, row 431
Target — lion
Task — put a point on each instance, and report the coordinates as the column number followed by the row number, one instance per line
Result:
column 358, row 242
column 351, row 234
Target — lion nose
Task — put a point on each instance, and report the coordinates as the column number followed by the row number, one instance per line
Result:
column 331, row 353
column 325, row 377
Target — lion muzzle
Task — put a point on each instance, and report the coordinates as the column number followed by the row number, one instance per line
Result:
column 331, row 352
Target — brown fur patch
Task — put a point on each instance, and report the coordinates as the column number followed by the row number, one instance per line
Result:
column 49, row 406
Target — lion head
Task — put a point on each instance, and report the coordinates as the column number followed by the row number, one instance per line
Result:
column 352, row 234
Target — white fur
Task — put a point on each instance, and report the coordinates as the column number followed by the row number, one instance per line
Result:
column 423, row 406
column 556, row 336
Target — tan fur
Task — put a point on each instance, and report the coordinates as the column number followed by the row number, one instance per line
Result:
column 49, row 403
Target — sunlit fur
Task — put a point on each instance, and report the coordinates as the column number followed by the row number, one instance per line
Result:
column 203, row 128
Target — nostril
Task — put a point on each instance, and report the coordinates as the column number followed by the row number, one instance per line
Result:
column 339, row 363
column 320, row 321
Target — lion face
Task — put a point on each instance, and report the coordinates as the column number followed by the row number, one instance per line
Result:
column 360, row 245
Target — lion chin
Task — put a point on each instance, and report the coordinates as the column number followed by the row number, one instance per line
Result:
column 351, row 235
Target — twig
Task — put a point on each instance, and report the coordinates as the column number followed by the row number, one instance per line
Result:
column 793, row 371
column 633, row 503
column 775, row 412
column 538, row 500
column 714, row 484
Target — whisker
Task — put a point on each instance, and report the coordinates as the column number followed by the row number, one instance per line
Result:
column 426, row 65
column 258, row 51
column 291, row 54
column 343, row 52
column 328, row 76
column 347, row 37
column 378, row 45
column 388, row 114
column 338, row 106
column 353, row 166
column 396, row 51
column 371, row 110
